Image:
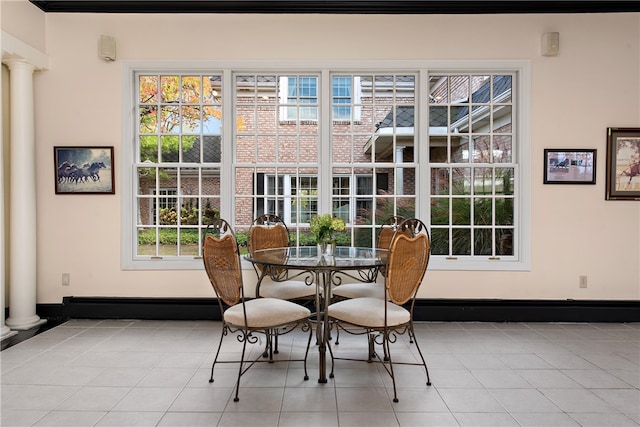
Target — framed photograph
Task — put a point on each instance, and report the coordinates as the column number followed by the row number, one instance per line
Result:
column 83, row 170
column 623, row 164
column 569, row 166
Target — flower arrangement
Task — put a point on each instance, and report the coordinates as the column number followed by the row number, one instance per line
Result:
column 325, row 226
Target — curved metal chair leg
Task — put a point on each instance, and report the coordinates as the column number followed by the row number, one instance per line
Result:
column 215, row 360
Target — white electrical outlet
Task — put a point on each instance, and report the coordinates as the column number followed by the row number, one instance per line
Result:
column 66, row 279
column 582, row 280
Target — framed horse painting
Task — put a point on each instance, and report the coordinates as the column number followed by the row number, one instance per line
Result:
column 84, row 170
column 623, row 164
column 569, row 166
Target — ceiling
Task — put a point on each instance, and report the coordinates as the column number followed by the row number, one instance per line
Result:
column 335, row 6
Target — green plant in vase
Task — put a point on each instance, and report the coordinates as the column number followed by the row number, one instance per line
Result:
column 324, row 228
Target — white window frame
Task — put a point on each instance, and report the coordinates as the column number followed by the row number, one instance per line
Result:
column 521, row 115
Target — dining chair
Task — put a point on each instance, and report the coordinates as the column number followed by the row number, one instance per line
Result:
column 266, row 232
column 382, row 319
column 375, row 288
column 246, row 318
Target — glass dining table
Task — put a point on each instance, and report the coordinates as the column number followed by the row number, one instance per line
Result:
column 309, row 263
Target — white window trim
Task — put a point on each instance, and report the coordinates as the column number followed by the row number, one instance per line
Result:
column 522, row 214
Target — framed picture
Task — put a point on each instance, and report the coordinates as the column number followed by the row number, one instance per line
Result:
column 569, row 166
column 623, row 164
column 83, row 170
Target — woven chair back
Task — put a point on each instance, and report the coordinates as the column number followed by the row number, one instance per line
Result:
column 222, row 264
column 268, row 231
column 408, row 260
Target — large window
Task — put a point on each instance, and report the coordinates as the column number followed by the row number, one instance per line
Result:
column 445, row 146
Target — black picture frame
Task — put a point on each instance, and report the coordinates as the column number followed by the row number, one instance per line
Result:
column 623, row 164
column 570, row 166
column 84, row 170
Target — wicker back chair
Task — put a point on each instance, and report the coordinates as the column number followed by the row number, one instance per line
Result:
column 374, row 288
column 381, row 319
column 246, row 318
column 269, row 231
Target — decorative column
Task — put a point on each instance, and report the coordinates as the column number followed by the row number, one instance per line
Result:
column 22, row 205
column 5, row 332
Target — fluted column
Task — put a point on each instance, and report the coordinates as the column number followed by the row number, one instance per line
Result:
column 5, row 332
column 22, row 204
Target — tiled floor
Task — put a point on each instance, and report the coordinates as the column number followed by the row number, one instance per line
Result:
column 155, row 373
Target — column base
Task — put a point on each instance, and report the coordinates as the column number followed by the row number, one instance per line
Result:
column 25, row 324
column 7, row 333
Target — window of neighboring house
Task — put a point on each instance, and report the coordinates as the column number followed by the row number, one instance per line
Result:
column 163, row 204
column 447, row 147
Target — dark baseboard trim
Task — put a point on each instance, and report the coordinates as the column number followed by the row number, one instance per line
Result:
column 437, row 310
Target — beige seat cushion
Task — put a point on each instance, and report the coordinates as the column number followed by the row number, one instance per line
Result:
column 288, row 289
column 266, row 313
column 360, row 290
column 368, row 312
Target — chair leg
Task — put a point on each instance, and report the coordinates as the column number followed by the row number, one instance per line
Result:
column 215, row 360
column 385, row 345
column 415, row 339
column 306, row 354
column 244, row 348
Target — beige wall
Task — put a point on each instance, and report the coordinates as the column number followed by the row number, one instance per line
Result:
column 593, row 84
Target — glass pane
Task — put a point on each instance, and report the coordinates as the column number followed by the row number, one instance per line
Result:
column 481, row 88
column 480, row 119
column 459, row 149
column 459, row 120
column 440, row 241
column 148, row 119
column 438, row 149
column 502, row 149
column 146, row 241
column 190, row 149
column 504, row 211
column 211, row 183
column 170, row 88
column 502, row 119
column 461, row 181
column 502, row 89
column 439, row 211
column 362, row 238
column 438, row 118
column 461, row 238
column 461, row 211
column 170, row 119
column 212, row 91
column 481, row 149
column 189, row 241
column 483, row 241
column 287, row 149
column 482, row 211
column 483, row 181
column 145, row 211
column 189, row 211
column 406, row 207
column 438, row 89
column 504, row 181
column 504, row 241
column 148, row 89
column 440, row 181
column 459, row 88
column 168, row 241
column 170, row 148
column 149, row 148
column 212, row 121
column 191, row 89
column 212, row 149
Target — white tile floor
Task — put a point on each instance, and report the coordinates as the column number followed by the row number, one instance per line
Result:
column 155, row 373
